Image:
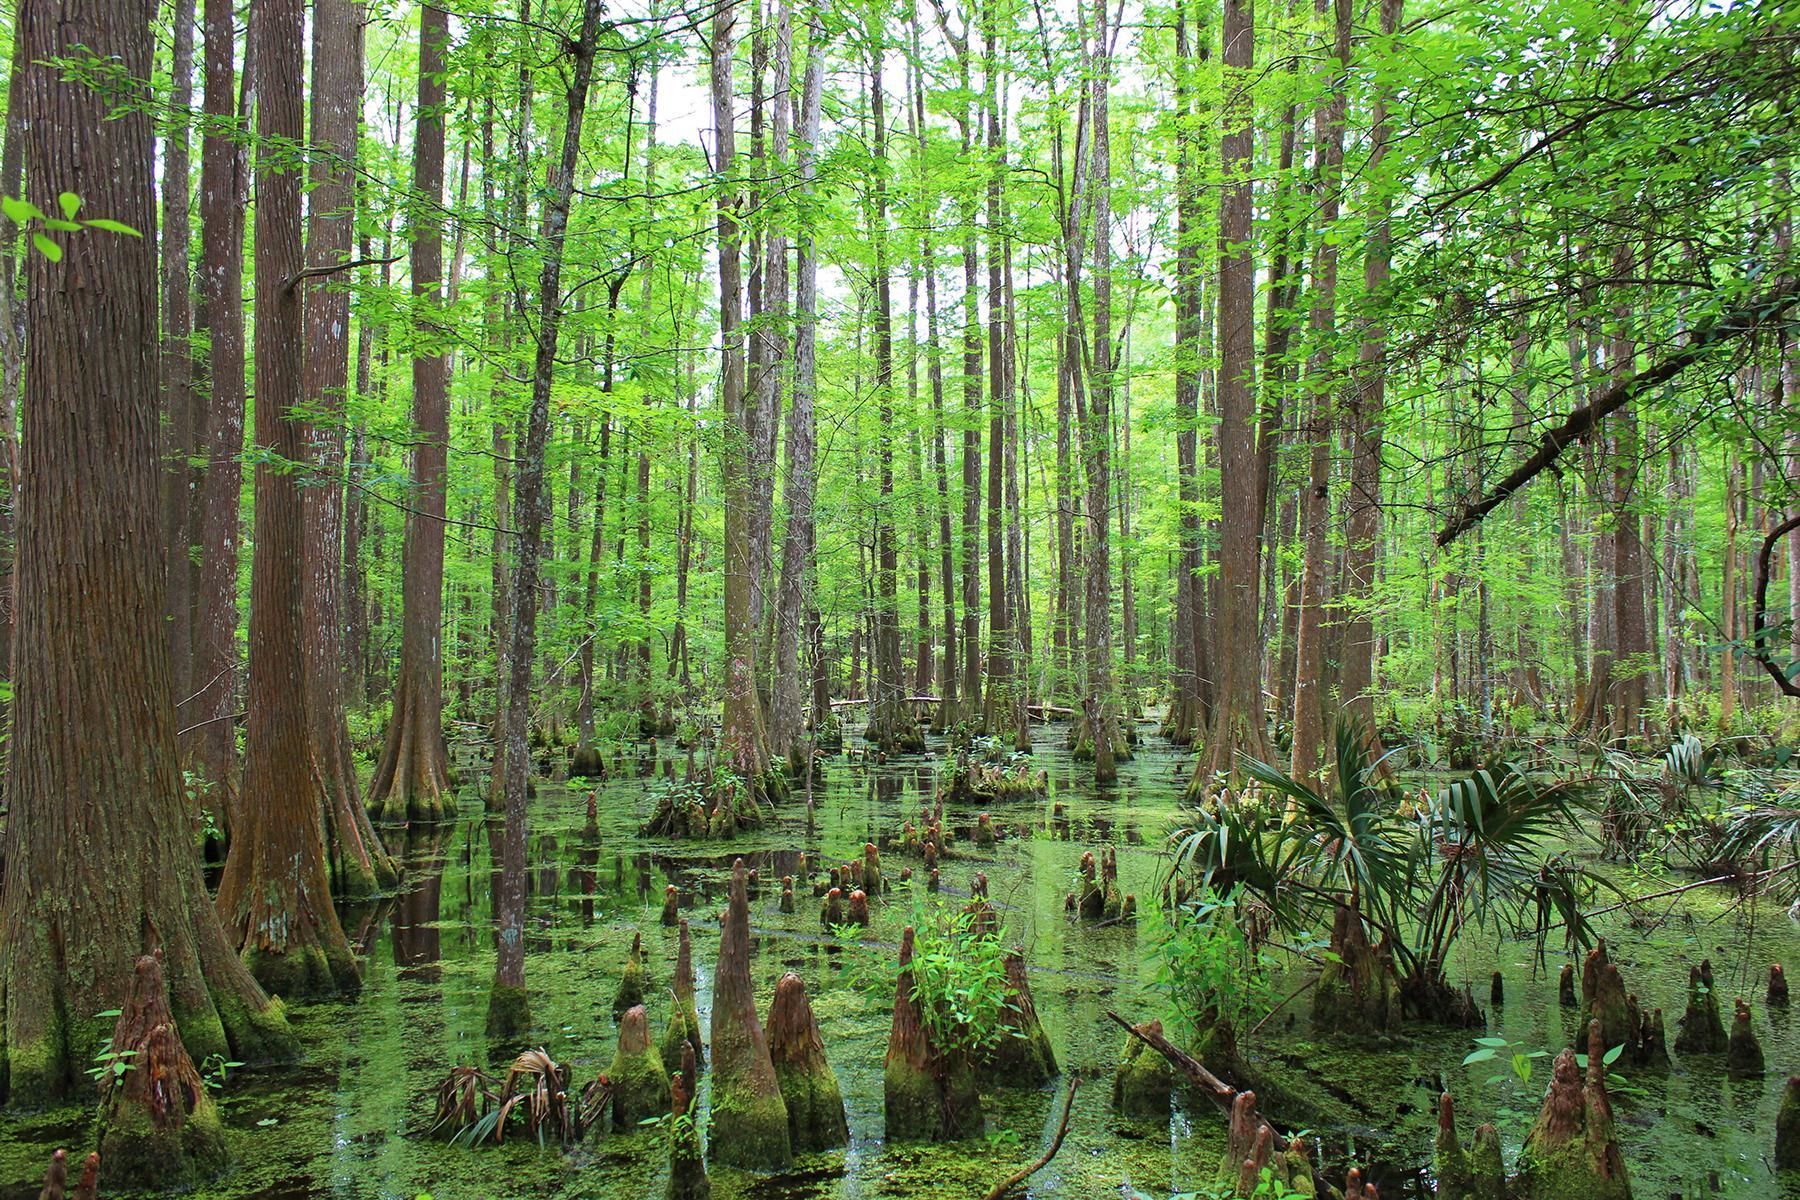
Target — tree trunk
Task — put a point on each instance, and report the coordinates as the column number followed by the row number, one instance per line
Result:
column 509, row 1012
column 1238, row 720
column 208, row 711
column 177, row 349
column 1185, row 718
column 359, row 864
column 275, row 895
column 412, row 780
column 100, row 865
column 794, row 596
column 1321, row 373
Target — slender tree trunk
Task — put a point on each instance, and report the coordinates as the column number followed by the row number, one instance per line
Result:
column 1185, row 718
column 275, row 895
column 1099, row 719
column 892, row 725
column 744, row 741
column 509, row 1011
column 998, row 691
column 179, row 400
column 99, row 854
column 1367, row 400
column 795, row 594
column 412, row 780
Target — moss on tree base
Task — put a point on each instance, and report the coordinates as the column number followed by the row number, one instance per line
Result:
column 508, row 1015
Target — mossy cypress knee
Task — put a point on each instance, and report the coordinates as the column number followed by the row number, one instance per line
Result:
column 909, row 1092
column 683, row 989
column 1023, row 1057
column 1143, row 1082
column 687, row 1165
column 749, row 1118
column 1743, row 1054
column 639, row 1081
column 631, row 985
column 815, row 1105
column 159, row 1127
column 1571, row 1152
column 1702, row 1032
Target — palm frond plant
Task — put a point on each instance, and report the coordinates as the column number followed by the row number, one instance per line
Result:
column 1471, row 856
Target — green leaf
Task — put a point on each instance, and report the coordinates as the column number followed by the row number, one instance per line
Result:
column 18, row 211
column 1612, row 1055
column 47, row 248
column 1485, row 1054
column 60, row 226
column 112, row 226
column 70, row 204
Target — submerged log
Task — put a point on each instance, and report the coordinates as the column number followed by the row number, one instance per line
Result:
column 1702, row 1032
column 1571, row 1152
column 815, row 1105
column 749, row 1119
column 1743, row 1054
column 687, row 1165
column 640, row 1083
column 159, row 1128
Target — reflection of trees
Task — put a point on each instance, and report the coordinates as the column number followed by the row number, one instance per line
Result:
column 417, row 939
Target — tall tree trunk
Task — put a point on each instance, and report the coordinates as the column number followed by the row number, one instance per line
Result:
column 179, row 424
column 892, row 725
column 744, row 741
column 509, row 1010
column 359, row 863
column 1239, row 723
column 999, row 684
column 1366, row 401
column 1098, row 718
column 1321, row 381
column 1185, row 718
column 412, row 780
column 275, row 895
column 208, row 711
column 795, row 593
column 99, row 857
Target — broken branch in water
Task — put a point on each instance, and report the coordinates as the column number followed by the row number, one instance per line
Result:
column 1020, row 1176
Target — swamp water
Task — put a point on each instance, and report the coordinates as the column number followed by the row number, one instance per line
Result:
column 344, row 1122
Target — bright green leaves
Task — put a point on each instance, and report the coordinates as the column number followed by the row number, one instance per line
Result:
column 33, row 220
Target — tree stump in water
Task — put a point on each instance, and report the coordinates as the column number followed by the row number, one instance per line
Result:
column 687, row 1165
column 929, row 1094
column 1702, row 1032
column 56, row 1179
column 815, row 1106
column 1565, row 986
column 1143, row 1082
column 1358, row 990
column 158, row 1126
column 1252, row 1148
column 1571, row 1152
column 749, row 1119
column 640, row 1084
column 1778, row 988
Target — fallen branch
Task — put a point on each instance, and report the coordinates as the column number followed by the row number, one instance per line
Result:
column 1020, row 1176
column 1181, row 1060
column 1760, row 637
column 1582, row 421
